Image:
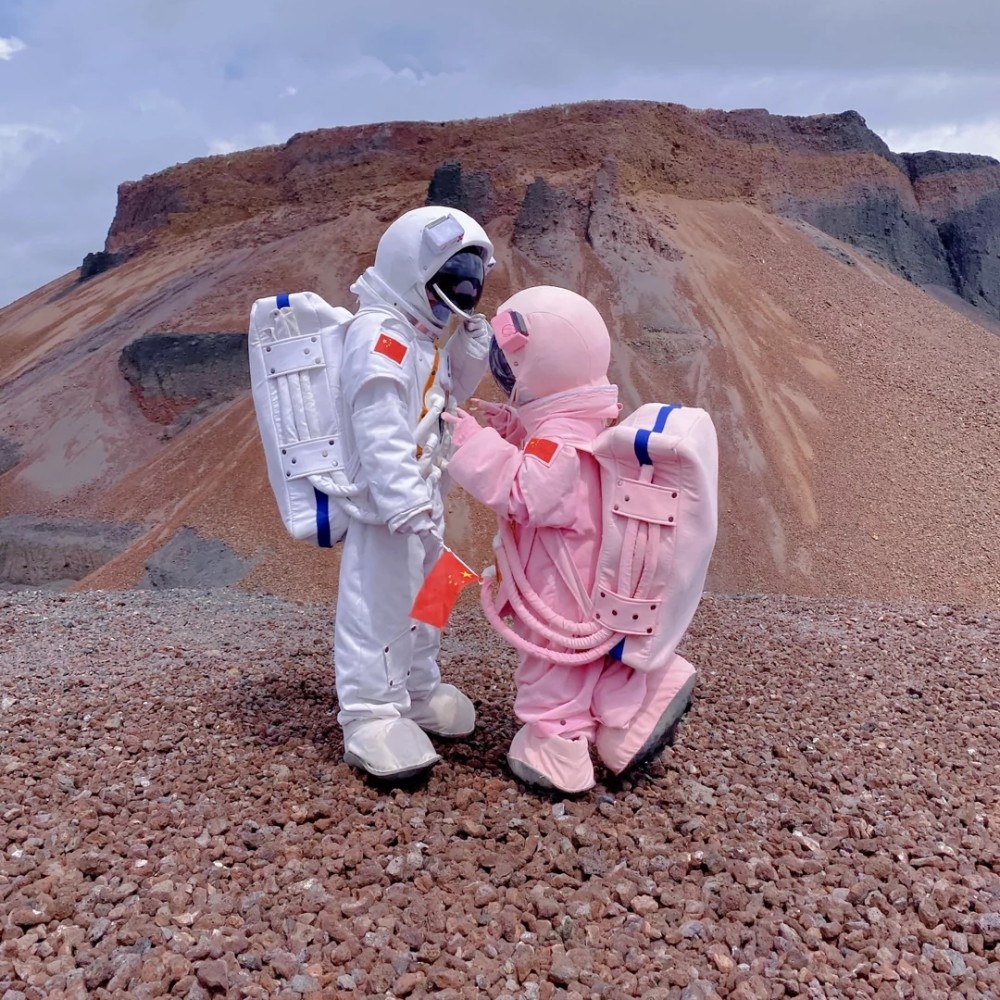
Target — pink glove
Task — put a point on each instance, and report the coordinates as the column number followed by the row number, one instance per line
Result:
column 501, row 417
column 464, row 426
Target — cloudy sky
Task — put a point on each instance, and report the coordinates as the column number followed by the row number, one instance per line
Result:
column 96, row 92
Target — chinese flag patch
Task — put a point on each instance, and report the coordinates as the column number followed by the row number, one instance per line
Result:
column 542, row 448
column 393, row 349
column 449, row 577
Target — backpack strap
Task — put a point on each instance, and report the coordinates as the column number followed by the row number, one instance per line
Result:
column 632, row 605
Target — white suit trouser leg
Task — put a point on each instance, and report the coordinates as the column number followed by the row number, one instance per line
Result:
column 382, row 657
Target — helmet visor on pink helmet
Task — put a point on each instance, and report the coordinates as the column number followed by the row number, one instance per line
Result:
column 510, row 335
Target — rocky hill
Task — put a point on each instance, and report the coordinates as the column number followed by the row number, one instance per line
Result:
column 932, row 217
column 830, row 302
column 824, row 824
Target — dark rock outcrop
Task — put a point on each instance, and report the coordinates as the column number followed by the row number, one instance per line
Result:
column 53, row 552
column 468, row 191
column 846, row 132
column 174, row 373
column 551, row 222
column 886, row 229
column 551, row 225
column 921, row 165
column 97, row 263
column 961, row 194
column 971, row 238
column 191, row 562
column 10, row 455
column 616, row 229
column 951, row 240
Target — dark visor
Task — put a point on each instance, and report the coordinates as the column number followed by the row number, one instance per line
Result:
column 500, row 369
column 461, row 279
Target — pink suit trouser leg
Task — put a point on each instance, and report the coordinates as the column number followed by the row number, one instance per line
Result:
column 560, row 700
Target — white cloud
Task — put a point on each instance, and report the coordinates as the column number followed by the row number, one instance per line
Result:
column 9, row 47
column 124, row 88
column 983, row 137
column 921, row 86
column 19, row 146
column 153, row 102
column 219, row 147
column 262, row 134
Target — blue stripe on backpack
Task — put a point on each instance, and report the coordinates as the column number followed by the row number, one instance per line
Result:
column 642, row 437
column 322, row 519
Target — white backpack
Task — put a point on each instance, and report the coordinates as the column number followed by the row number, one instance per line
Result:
column 295, row 344
column 296, row 348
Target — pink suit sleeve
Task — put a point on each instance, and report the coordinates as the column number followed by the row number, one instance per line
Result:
column 524, row 487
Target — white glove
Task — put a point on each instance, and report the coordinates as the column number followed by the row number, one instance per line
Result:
column 479, row 332
column 420, row 523
column 477, row 326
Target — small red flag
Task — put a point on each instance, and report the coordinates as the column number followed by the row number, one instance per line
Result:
column 393, row 349
column 542, row 448
column 449, row 577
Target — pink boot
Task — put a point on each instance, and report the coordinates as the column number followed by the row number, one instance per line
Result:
column 551, row 761
column 668, row 697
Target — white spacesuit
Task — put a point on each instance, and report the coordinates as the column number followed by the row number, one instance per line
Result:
column 400, row 370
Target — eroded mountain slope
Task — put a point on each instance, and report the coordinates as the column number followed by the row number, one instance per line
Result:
column 858, row 416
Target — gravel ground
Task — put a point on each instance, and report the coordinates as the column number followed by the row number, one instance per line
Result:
column 177, row 820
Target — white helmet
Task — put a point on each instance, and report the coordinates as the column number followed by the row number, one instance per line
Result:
column 417, row 252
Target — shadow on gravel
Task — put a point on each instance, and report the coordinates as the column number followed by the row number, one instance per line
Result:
column 283, row 706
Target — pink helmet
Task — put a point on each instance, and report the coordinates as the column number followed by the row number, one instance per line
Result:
column 552, row 340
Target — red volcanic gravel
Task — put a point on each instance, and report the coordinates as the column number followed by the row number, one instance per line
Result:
column 177, row 820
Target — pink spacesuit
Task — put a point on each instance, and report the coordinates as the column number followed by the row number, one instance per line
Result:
column 532, row 467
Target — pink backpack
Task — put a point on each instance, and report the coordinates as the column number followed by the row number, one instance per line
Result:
column 659, row 486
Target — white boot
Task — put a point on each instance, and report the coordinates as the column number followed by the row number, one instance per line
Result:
column 447, row 712
column 388, row 748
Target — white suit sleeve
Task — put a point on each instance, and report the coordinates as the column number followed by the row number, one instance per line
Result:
column 387, row 452
column 469, row 351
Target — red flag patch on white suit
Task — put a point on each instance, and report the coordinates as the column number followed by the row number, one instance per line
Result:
column 391, row 348
column 449, row 577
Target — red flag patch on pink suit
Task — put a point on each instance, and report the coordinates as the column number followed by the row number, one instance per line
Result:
column 542, row 448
